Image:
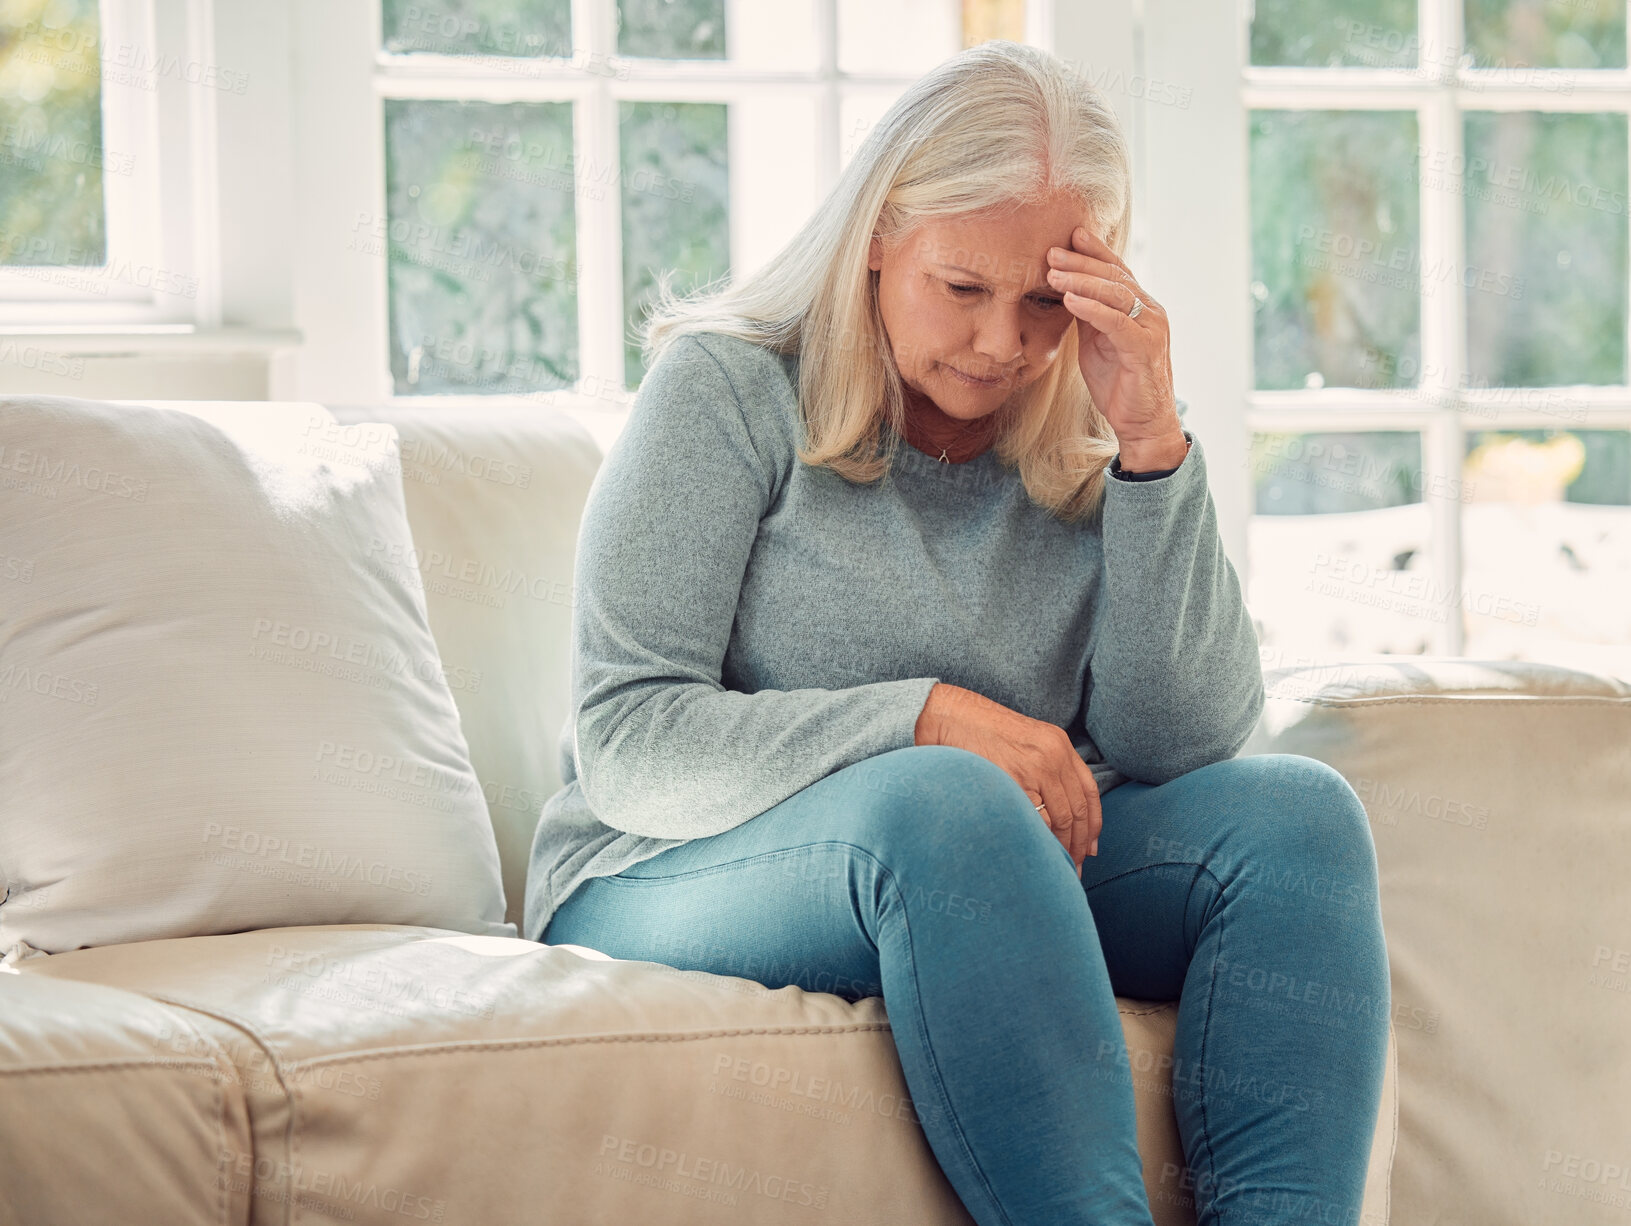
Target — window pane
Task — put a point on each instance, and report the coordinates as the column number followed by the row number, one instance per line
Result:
column 676, row 197
column 775, row 37
column 1338, row 546
column 672, row 29
column 1546, row 538
column 1546, row 248
column 1335, row 248
column 479, row 27
column 51, row 209
column 1545, row 33
column 900, row 37
column 1335, row 33
column 482, row 246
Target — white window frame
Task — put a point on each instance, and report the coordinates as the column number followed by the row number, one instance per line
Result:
column 596, row 80
column 1444, row 408
column 1194, row 237
column 159, row 121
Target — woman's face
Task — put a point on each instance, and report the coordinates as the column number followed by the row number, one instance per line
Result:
column 969, row 296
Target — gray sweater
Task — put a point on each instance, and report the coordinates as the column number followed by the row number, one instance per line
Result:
column 746, row 624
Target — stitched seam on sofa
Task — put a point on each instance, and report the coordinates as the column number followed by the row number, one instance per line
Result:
column 291, row 1136
column 216, row 1073
column 148, row 1065
column 1431, row 699
column 220, row 1015
column 223, row 1192
column 103, row 1066
column 292, row 1204
column 462, row 1046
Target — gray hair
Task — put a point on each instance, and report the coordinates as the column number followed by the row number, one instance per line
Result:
column 998, row 125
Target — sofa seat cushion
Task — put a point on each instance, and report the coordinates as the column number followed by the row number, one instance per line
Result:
column 396, row 1071
column 114, row 1105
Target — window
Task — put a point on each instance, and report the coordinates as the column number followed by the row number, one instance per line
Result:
column 547, row 163
column 91, row 231
column 1440, row 428
column 51, row 197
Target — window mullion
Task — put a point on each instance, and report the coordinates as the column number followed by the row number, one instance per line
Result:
column 1039, row 23
column 829, row 103
column 597, row 207
column 1444, row 316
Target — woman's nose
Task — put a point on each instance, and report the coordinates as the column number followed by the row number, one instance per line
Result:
column 999, row 339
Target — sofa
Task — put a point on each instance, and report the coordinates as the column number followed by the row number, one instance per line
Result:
column 376, row 1072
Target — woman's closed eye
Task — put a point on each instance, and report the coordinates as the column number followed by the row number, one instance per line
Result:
column 964, row 291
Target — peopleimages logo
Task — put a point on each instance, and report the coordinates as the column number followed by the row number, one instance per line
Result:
column 327, row 864
column 325, row 1191
column 390, row 768
column 351, row 659
column 433, row 564
column 438, row 457
column 661, row 1160
column 1176, row 1072
column 66, row 472
column 125, row 63
column 46, row 684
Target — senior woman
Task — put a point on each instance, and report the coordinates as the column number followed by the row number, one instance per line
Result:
column 907, row 662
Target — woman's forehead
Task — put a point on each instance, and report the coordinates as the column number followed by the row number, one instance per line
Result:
column 993, row 248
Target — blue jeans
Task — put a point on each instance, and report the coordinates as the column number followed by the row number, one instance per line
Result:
column 1246, row 890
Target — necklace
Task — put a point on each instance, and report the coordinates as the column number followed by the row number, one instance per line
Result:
column 942, row 456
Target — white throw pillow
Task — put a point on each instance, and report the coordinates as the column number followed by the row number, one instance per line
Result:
column 217, row 712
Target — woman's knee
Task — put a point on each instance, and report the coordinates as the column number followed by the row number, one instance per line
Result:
column 1308, row 823
column 943, row 802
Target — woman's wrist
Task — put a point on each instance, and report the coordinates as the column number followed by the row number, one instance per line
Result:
column 1147, row 455
column 931, row 721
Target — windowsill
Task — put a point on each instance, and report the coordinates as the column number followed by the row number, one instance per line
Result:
column 180, row 340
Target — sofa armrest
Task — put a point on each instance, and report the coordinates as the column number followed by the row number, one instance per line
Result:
column 1497, row 794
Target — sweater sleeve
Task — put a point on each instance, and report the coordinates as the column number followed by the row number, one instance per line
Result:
column 1175, row 680
column 661, row 748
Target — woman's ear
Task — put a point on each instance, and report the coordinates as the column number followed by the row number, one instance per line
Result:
column 874, row 255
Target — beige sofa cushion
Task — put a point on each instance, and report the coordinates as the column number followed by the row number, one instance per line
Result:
column 1499, row 795
column 216, row 713
column 494, row 497
column 480, row 1078
column 113, row 1107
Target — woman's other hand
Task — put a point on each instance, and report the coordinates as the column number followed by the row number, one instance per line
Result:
column 1125, row 362
column 1037, row 755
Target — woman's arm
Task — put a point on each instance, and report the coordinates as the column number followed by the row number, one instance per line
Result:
column 1175, row 680
column 661, row 747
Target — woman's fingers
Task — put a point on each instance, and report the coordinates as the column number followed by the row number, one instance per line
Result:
column 1124, row 333
column 1096, row 820
column 1089, row 285
column 1084, row 240
column 1056, row 814
column 1074, row 261
column 1081, row 833
column 1107, row 266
